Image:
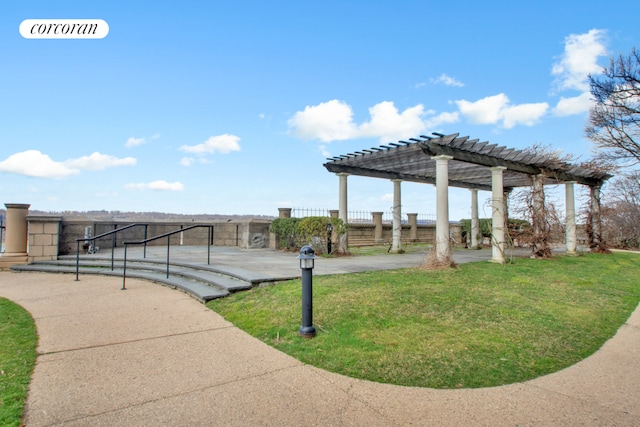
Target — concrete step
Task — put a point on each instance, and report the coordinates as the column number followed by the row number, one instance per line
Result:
column 199, row 284
column 193, row 272
column 224, row 270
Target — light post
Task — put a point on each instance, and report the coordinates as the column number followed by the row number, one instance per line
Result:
column 307, row 257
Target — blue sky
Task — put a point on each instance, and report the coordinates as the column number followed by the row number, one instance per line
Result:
column 231, row 107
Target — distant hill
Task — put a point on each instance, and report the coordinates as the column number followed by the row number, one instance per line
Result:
column 139, row 216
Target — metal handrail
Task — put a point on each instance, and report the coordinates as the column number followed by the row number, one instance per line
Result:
column 168, row 236
column 113, row 243
column 2, row 227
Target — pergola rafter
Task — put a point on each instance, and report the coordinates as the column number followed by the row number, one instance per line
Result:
column 412, row 161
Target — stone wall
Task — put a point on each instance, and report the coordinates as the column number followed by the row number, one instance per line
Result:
column 365, row 234
column 245, row 234
column 44, row 233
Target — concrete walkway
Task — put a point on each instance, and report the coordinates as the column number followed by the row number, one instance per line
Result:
column 155, row 356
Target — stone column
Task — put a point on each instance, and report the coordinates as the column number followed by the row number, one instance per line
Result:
column 413, row 222
column 497, row 217
column 377, row 222
column 475, row 221
column 570, row 220
column 284, row 212
column 396, row 243
column 443, row 253
column 15, row 250
column 342, row 212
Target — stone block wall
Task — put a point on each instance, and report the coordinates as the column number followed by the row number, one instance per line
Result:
column 245, row 234
column 44, row 235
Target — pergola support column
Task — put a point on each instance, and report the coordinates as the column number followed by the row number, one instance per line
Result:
column 475, row 221
column 343, row 242
column 396, row 243
column 498, row 215
column 443, row 252
column 570, row 221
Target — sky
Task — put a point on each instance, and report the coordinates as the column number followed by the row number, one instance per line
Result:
column 233, row 107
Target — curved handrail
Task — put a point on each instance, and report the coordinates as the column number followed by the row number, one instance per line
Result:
column 168, row 236
column 113, row 243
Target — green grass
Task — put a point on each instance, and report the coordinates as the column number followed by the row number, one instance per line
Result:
column 479, row 325
column 18, row 342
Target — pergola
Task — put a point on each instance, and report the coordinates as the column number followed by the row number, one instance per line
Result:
column 451, row 160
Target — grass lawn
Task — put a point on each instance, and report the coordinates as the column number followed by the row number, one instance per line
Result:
column 479, row 325
column 18, row 341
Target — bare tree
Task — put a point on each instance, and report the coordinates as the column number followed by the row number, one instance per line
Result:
column 614, row 121
column 621, row 212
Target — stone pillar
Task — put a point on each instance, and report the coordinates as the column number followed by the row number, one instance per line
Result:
column 377, row 222
column 570, row 220
column 15, row 250
column 396, row 243
column 475, row 221
column 413, row 222
column 343, row 243
column 284, row 212
column 443, row 253
column 497, row 217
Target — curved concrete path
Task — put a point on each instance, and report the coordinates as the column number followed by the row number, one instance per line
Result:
column 155, row 356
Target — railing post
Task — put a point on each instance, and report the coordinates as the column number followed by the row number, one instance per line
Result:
column 124, row 268
column 209, row 244
column 113, row 245
column 144, row 251
column 168, row 245
column 77, row 259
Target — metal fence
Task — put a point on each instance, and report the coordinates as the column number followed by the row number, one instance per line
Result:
column 361, row 217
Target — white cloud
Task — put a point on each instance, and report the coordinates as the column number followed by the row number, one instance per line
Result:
column 134, row 142
column 97, row 161
column 574, row 105
column 580, row 58
column 36, row 164
column 327, row 121
column 447, row 81
column 187, row 161
column 222, row 143
column 497, row 109
column 333, row 121
column 160, row 185
column 387, row 197
column 442, row 119
column 387, row 124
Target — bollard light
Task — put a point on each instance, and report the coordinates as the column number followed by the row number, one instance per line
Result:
column 307, row 257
